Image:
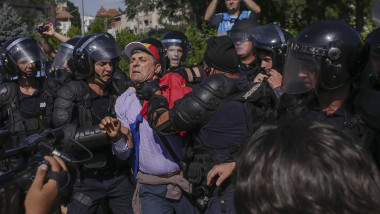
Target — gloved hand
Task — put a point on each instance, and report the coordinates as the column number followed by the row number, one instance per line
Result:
column 145, row 90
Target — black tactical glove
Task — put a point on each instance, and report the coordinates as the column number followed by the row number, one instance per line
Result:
column 145, row 90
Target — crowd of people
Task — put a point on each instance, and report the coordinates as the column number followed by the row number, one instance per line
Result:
column 266, row 123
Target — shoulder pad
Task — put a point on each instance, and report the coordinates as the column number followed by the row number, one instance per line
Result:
column 196, row 107
column 120, row 83
column 8, row 91
column 51, row 86
column 74, row 91
column 367, row 105
column 219, row 85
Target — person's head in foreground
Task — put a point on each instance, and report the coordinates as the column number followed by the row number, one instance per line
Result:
column 305, row 167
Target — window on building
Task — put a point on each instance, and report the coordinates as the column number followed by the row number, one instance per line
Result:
column 146, row 22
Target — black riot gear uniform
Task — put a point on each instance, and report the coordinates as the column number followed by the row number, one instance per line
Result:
column 371, row 76
column 78, row 111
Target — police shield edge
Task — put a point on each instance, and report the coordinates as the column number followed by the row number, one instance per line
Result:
column 376, row 13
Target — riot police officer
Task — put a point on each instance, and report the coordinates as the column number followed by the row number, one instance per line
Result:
column 244, row 43
column 80, row 106
column 26, row 102
column 322, row 65
column 271, row 46
column 177, row 47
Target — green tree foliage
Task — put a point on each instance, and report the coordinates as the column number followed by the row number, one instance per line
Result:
column 73, row 31
column 74, row 11
column 179, row 11
column 97, row 25
column 11, row 24
column 294, row 15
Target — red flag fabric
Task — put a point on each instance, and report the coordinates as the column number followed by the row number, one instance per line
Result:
column 174, row 88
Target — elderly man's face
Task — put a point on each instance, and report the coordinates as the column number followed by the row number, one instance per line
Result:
column 142, row 67
column 232, row 4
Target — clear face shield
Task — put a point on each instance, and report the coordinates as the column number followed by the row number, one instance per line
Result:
column 25, row 51
column 241, row 37
column 65, row 52
column 301, row 68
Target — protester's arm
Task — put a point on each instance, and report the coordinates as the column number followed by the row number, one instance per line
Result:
column 120, row 136
column 46, row 46
column 252, row 6
column 211, row 10
column 50, row 31
column 42, row 197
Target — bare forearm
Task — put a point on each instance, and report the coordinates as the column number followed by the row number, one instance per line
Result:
column 211, row 10
column 46, row 46
column 60, row 37
column 253, row 6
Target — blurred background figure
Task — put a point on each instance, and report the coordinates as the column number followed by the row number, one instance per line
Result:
column 225, row 21
column 299, row 166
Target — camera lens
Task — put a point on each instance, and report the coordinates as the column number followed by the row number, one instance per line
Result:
column 41, row 29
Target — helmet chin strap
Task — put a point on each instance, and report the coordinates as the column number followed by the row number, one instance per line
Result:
column 20, row 73
column 102, row 81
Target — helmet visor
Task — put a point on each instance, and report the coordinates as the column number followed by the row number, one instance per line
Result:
column 65, row 52
column 172, row 42
column 25, row 50
column 301, row 69
column 240, row 36
column 101, row 47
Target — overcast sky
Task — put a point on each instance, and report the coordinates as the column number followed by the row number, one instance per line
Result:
column 92, row 6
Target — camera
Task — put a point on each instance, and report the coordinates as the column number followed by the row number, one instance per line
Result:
column 41, row 29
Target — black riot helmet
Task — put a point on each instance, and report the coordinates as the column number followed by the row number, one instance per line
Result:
column 241, row 30
column 64, row 53
column 326, row 55
column 270, row 38
column 176, row 38
column 90, row 49
column 160, row 50
column 20, row 50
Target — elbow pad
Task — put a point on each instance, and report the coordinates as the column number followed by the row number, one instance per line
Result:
column 198, row 106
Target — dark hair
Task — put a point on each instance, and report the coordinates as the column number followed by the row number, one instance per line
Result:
column 299, row 166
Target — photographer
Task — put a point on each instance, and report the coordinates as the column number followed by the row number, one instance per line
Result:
column 43, row 197
column 48, row 29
